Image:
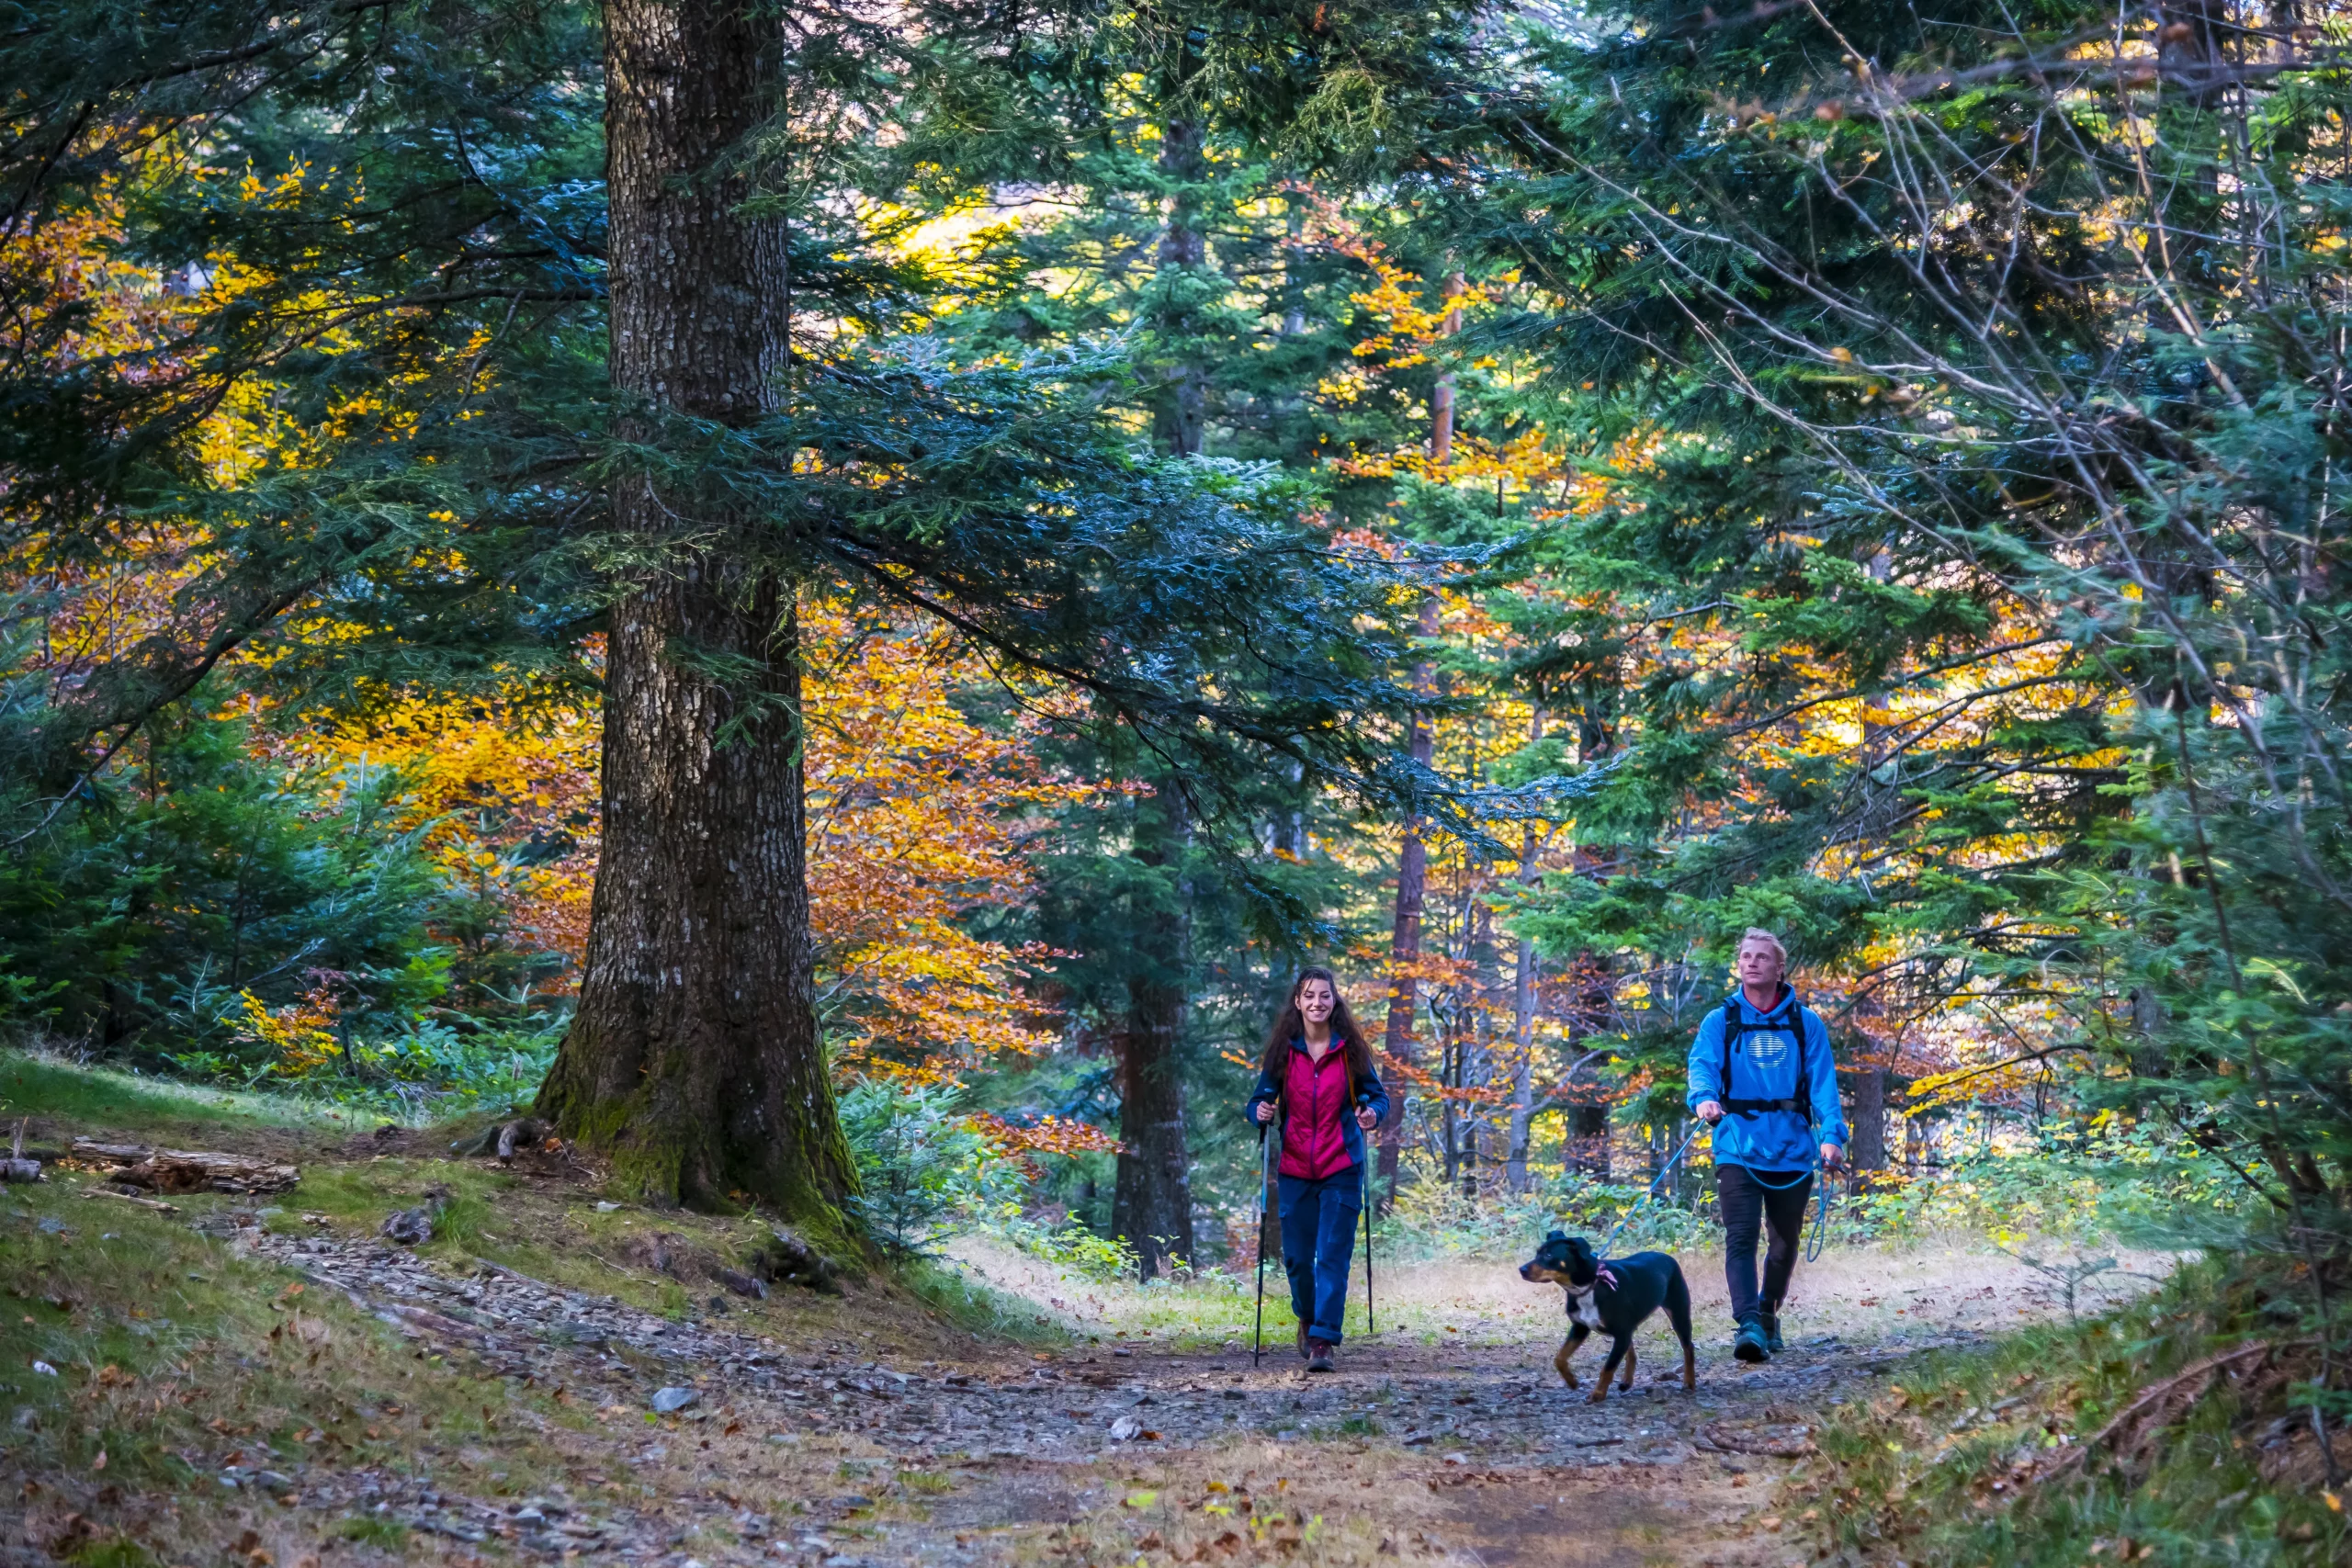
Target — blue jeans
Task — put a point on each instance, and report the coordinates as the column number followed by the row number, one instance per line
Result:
column 1318, row 1243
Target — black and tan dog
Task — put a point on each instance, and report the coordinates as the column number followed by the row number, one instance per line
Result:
column 1615, row 1296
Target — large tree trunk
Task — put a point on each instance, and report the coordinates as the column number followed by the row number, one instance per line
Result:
column 1152, row 1204
column 695, row 1062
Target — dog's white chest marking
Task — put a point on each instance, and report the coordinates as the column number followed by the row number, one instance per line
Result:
column 1581, row 1308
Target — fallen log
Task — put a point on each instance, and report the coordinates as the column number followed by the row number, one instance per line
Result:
column 503, row 1140
column 2150, row 1408
column 187, row 1170
column 113, row 1154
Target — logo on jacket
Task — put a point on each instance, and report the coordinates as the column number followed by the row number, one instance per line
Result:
column 1768, row 1050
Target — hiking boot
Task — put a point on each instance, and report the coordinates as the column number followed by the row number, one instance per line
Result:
column 1318, row 1355
column 1749, row 1344
column 1771, row 1321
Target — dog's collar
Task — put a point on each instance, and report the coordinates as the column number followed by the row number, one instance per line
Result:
column 1601, row 1277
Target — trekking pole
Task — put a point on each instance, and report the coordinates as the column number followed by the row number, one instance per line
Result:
column 1257, row 1339
column 1370, row 1327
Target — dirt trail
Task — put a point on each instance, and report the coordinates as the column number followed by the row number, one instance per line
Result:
column 1465, row 1449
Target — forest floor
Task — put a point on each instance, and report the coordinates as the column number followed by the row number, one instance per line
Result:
column 268, row 1382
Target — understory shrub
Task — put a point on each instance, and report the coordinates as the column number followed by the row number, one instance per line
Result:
column 924, row 1168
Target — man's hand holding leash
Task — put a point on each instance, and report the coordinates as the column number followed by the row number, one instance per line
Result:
column 1832, row 1156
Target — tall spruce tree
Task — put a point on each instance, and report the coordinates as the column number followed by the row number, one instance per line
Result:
column 1188, row 235
column 1978, row 379
column 539, row 419
column 1190, row 246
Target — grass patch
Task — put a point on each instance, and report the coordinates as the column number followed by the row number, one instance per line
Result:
column 373, row 1530
column 118, row 1552
column 978, row 1308
column 545, row 1224
column 83, row 1099
column 176, row 1360
column 1947, row 1465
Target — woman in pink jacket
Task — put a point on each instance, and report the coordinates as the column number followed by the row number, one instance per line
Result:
column 1317, row 1077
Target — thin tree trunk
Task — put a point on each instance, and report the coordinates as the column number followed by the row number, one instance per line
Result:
column 695, row 1062
column 1405, row 945
column 1591, row 993
column 1448, row 1075
column 1477, row 1036
column 1522, row 1012
column 1441, row 395
column 1870, row 1118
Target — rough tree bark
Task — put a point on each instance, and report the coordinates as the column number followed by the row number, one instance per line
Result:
column 1869, row 1151
column 1151, row 1205
column 694, row 1061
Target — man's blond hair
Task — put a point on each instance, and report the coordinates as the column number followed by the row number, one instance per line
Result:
column 1779, row 950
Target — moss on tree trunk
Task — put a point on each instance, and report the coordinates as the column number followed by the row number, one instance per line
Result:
column 695, row 1062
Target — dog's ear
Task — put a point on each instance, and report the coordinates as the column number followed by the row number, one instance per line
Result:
column 1555, row 1235
column 1580, row 1246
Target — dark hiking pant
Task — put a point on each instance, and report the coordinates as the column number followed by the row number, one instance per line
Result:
column 1753, row 1201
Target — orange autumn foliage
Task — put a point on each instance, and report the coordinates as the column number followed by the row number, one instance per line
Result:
column 503, row 793
column 1046, row 1135
column 915, row 818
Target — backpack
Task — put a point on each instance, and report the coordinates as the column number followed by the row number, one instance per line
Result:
column 1734, row 1027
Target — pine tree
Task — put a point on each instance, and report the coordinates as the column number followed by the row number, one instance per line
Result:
column 478, row 486
column 1933, row 350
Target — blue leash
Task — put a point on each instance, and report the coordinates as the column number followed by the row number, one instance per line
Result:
column 1814, row 1244
column 1664, row 1171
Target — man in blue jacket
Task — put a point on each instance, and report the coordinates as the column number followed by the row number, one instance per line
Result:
column 1762, row 1075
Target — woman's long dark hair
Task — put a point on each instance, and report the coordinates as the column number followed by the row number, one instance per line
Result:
column 1291, row 1025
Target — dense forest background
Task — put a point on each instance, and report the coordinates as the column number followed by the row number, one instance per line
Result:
column 1496, row 500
